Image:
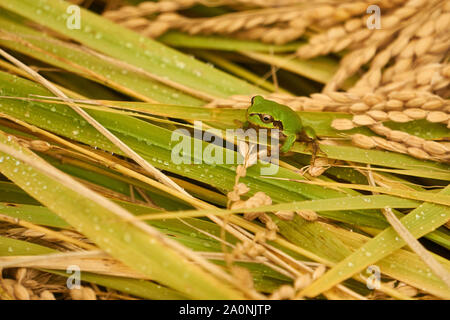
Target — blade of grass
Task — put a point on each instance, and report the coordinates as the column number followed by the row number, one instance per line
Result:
column 320, row 69
column 408, row 194
column 321, row 205
column 34, row 214
column 183, row 40
column 237, row 70
column 418, row 222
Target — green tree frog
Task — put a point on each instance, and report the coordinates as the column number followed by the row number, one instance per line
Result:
column 269, row 114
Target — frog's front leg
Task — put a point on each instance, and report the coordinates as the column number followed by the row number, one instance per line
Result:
column 309, row 133
column 315, row 149
column 288, row 143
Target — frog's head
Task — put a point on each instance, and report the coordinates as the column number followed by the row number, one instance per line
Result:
column 259, row 113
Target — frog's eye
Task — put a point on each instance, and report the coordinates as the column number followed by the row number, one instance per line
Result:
column 266, row 118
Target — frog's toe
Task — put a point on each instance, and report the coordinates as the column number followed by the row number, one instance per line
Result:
column 309, row 133
column 288, row 143
column 284, row 149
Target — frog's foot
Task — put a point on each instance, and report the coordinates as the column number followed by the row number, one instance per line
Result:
column 315, row 151
column 314, row 147
column 316, row 168
column 319, row 166
column 303, row 170
column 308, row 134
column 320, row 151
column 288, row 143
